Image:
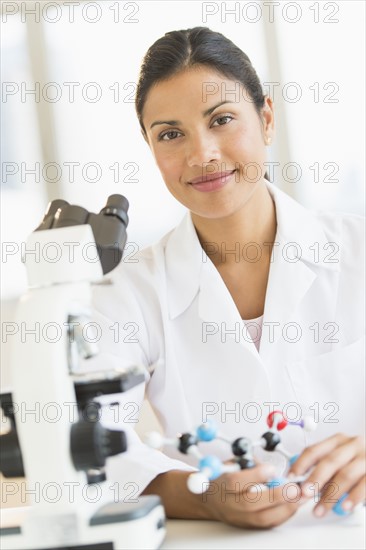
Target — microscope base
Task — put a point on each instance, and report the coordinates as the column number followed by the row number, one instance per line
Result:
column 115, row 526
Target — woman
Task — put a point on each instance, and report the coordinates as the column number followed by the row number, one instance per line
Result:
column 251, row 302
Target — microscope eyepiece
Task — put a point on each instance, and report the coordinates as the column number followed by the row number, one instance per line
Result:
column 109, row 226
column 117, row 205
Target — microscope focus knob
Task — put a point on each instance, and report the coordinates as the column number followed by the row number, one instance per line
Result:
column 92, row 444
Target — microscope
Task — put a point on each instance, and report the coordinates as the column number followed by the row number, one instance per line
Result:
column 62, row 455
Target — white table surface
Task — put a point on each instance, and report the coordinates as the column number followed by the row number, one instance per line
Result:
column 302, row 531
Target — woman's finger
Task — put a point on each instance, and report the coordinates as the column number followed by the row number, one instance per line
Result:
column 312, row 454
column 268, row 514
column 349, row 482
column 272, row 515
column 242, row 492
column 259, row 497
column 242, row 480
column 356, row 495
column 329, row 471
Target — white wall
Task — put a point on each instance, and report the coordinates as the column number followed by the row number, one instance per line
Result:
column 317, row 46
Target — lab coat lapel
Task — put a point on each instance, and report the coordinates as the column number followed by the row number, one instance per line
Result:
column 293, row 268
column 217, row 308
column 183, row 264
column 287, row 286
column 191, row 272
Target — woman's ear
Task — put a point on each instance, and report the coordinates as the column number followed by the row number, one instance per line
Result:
column 268, row 119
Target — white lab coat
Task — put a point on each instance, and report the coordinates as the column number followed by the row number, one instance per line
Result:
column 176, row 318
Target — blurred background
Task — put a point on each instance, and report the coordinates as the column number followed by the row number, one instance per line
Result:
column 68, row 123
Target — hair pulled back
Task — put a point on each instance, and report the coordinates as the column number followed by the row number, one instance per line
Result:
column 179, row 50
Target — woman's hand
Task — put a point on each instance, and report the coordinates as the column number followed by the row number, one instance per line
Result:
column 339, row 467
column 242, row 500
column 238, row 498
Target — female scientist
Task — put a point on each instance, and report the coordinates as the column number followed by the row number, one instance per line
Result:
column 252, row 303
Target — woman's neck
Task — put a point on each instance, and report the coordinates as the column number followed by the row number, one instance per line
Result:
column 226, row 240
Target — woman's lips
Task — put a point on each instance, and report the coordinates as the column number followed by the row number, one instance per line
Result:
column 212, row 182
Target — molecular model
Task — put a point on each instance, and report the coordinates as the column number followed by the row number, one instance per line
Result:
column 211, row 467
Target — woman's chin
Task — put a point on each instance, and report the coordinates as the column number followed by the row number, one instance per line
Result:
column 213, row 212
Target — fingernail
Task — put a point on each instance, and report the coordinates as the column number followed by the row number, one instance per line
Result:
column 268, row 470
column 307, row 489
column 292, row 492
column 291, row 475
column 347, row 505
column 319, row 511
column 257, row 488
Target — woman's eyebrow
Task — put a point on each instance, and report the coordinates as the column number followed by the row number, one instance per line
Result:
column 211, row 109
column 176, row 122
column 169, row 122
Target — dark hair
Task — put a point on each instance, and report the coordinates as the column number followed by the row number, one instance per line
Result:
column 178, row 50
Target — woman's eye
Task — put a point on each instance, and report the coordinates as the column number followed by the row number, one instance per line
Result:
column 168, row 136
column 223, row 120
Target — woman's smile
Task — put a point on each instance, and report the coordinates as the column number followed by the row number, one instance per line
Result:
column 212, row 182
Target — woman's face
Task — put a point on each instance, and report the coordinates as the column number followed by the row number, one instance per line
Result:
column 207, row 140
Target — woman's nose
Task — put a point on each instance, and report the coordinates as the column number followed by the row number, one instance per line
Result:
column 202, row 149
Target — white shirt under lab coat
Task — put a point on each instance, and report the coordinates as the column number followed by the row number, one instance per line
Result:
column 168, row 310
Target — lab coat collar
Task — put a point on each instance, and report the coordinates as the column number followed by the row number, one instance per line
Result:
column 188, row 268
column 183, row 256
column 296, row 224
